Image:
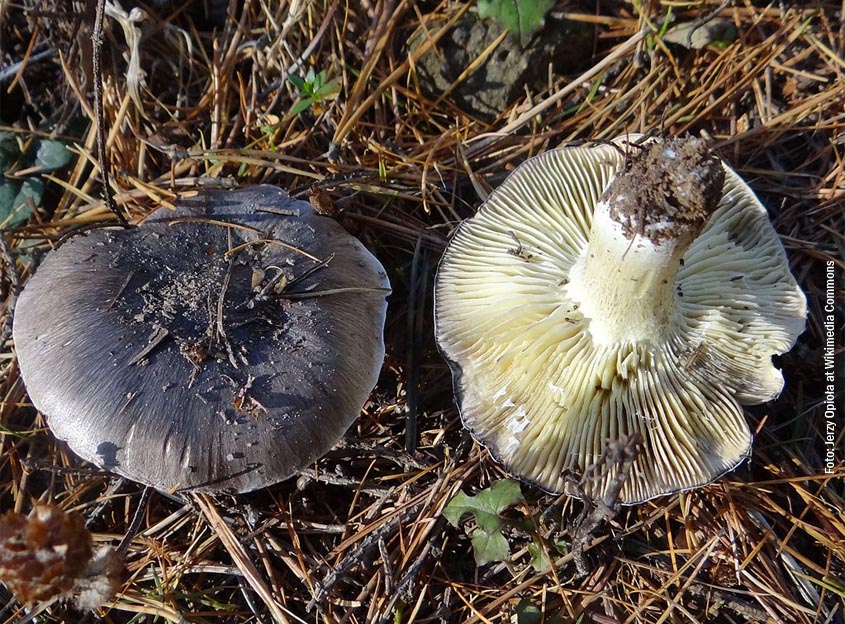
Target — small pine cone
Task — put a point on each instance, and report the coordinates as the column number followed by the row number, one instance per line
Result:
column 42, row 555
column 101, row 581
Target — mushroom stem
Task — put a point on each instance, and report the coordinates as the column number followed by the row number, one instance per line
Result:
column 626, row 287
column 645, row 221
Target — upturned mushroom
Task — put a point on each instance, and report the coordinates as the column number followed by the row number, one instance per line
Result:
column 222, row 346
column 605, row 291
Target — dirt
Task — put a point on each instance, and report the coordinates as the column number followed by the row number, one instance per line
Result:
column 668, row 189
column 182, row 288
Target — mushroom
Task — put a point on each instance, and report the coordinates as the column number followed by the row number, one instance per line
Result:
column 630, row 288
column 222, row 346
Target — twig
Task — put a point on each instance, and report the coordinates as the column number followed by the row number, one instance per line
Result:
column 10, row 274
column 271, row 284
column 332, row 291
column 401, row 591
column 155, row 339
column 121, row 290
column 309, row 474
column 240, row 557
column 357, row 555
column 621, row 453
column 96, row 512
column 135, row 526
column 718, row 599
column 416, row 305
column 7, row 73
column 96, row 49
column 250, row 603
column 220, row 329
column 385, row 563
column 320, row 265
column 486, row 141
column 701, row 21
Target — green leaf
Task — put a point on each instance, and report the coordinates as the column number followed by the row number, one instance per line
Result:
column 297, row 82
column 9, row 151
column 489, row 547
column 486, row 507
column 540, row 560
column 528, row 613
column 52, row 155
column 301, row 106
column 328, row 90
column 317, row 80
column 521, row 17
column 17, row 198
column 8, row 191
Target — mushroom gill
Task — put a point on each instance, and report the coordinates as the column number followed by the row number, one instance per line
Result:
column 616, row 289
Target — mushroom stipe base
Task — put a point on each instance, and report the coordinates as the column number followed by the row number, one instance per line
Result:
column 667, row 190
column 220, row 347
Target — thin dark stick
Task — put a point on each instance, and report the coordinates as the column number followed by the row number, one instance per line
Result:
column 132, row 531
column 220, row 333
column 621, row 453
column 320, row 265
column 416, row 302
column 701, row 21
column 96, row 512
column 356, row 556
column 388, row 569
column 403, row 587
column 96, row 46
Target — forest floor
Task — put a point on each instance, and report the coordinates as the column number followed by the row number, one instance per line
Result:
column 336, row 102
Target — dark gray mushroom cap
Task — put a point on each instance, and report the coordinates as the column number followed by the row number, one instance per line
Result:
column 220, row 347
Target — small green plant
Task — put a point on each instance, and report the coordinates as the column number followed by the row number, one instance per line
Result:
column 314, row 88
column 521, row 17
column 21, row 167
column 488, row 540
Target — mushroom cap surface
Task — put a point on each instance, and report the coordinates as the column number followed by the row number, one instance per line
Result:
column 545, row 397
column 222, row 346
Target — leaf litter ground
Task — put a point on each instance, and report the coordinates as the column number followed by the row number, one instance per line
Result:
column 193, row 98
